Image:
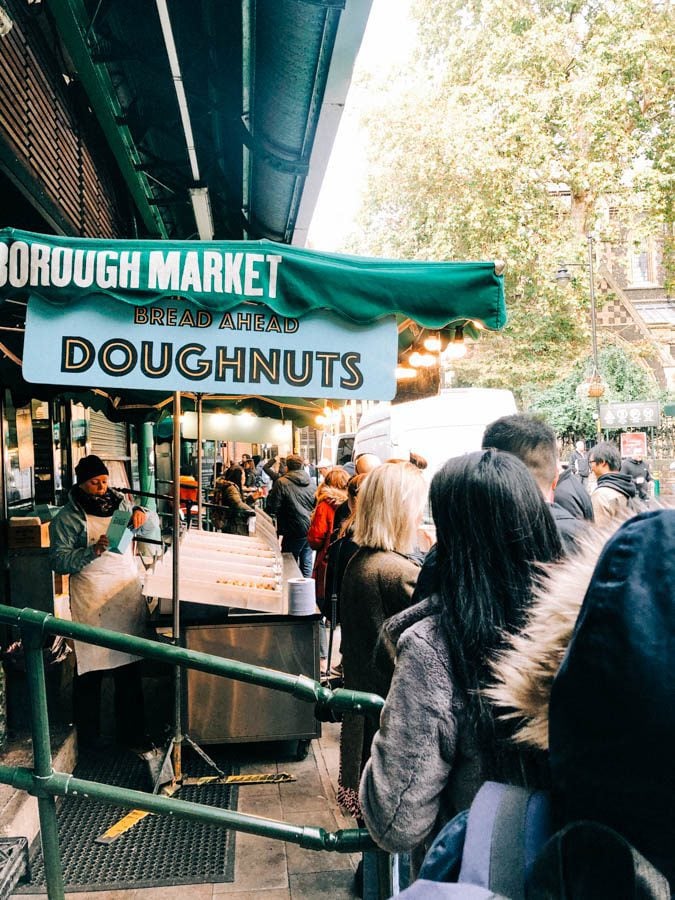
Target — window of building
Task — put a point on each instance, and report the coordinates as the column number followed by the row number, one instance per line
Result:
column 642, row 269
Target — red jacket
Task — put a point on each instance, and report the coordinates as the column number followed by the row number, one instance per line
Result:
column 320, row 530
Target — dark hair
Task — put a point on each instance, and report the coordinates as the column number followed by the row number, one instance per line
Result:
column 604, row 452
column 528, row 438
column 492, row 528
column 235, row 474
column 293, row 462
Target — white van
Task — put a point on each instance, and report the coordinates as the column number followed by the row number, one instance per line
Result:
column 338, row 448
column 437, row 428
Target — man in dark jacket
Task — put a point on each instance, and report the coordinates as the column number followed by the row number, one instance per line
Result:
column 636, row 467
column 615, row 492
column 534, row 442
column 291, row 500
column 570, row 493
column 579, row 462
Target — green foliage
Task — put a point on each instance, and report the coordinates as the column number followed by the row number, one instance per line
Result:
column 501, row 142
column 566, row 406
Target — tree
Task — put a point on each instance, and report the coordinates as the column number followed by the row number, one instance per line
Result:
column 518, row 118
column 566, row 405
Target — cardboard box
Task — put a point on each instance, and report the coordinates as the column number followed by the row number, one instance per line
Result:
column 24, row 532
column 119, row 534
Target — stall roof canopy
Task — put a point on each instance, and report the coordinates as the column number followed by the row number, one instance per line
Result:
column 219, row 275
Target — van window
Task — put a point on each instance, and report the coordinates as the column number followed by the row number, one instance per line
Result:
column 345, row 449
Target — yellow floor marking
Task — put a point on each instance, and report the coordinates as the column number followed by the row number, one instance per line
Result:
column 137, row 815
column 123, row 825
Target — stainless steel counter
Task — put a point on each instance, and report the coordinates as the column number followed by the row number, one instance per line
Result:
column 220, row 710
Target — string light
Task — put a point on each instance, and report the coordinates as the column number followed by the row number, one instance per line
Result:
column 422, row 360
column 432, row 343
column 405, row 373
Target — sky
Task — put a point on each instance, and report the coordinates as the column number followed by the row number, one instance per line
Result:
column 387, row 40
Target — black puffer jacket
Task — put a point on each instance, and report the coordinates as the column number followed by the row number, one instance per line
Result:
column 291, row 500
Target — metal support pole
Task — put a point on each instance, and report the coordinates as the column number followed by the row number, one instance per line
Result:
column 200, row 454
column 177, row 733
column 146, row 466
column 594, row 332
column 42, row 759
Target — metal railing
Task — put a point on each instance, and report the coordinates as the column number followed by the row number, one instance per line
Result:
column 46, row 784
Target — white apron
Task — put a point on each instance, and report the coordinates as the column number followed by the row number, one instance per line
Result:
column 107, row 594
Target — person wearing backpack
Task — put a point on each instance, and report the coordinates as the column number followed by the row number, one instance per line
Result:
column 438, row 738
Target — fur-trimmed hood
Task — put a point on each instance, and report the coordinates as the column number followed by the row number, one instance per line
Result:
column 334, row 496
column 524, row 671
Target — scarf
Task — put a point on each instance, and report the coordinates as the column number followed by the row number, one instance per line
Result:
column 95, row 505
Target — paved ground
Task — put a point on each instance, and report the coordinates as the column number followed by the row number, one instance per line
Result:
column 272, row 870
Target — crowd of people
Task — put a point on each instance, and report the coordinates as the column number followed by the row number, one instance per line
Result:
column 465, row 640
column 529, row 643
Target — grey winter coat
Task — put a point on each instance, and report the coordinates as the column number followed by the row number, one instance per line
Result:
column 424, row 763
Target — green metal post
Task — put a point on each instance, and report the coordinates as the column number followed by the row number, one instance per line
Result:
column 146, row 466
column 309, row 837
column 175, row 594
column 42, row 759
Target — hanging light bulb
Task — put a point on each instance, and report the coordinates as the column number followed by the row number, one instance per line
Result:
column 432, row 343
column 456, row 349
column 421, row 360
column 405, row 373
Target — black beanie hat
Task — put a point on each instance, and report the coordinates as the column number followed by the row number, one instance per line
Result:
column 90, row 467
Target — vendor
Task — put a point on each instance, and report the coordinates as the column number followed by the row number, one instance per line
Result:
column 105, row 591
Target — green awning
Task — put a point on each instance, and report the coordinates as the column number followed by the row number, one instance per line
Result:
column 221, row 275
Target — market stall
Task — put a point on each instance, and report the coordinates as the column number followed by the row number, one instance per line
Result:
column 236, row 320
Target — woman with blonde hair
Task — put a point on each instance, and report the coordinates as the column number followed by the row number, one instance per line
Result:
column 378, row 582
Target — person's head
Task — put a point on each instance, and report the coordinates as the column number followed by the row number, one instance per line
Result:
column 323, row 466
column 353, row 489
column 256, row 459
column 492, row 529
column 581, row 447
column 91, row 475
column 532, row 441
column 391, row 501
column 366, row 462
column 294, row 462
column 235, row 474
column 244, row 457
column 336, row 478
column 604, row 458
column 418, row 460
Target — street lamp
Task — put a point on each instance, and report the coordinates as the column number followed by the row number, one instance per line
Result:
column 596, row 388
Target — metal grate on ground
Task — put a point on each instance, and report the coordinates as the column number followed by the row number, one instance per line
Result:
column 159, row 850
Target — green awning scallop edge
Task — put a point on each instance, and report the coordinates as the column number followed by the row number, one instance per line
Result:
column 220, row 275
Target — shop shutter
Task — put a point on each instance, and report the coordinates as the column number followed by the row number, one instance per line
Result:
column 108, row 439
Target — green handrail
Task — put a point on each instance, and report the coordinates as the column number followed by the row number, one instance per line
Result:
column 44, row 783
